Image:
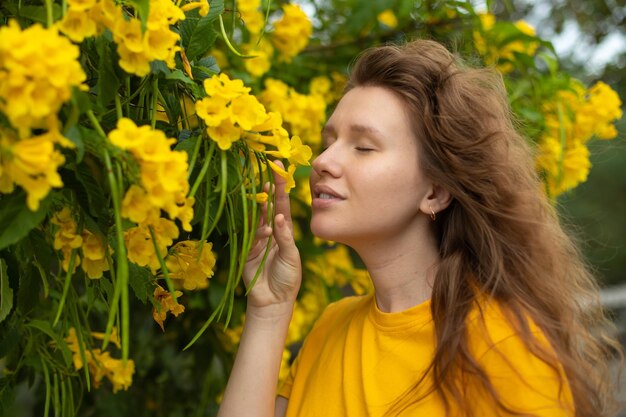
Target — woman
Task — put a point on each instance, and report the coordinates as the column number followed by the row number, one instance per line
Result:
column 482, row 306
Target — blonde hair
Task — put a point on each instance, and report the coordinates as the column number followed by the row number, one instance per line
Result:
column 500, row 235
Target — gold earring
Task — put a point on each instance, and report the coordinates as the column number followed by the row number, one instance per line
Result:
column 433, row 216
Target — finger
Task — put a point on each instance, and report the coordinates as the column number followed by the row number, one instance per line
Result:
column 260, row 241
column 282, row 198
column 286, row 244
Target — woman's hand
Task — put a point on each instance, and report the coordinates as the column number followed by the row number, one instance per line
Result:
column 278, row 283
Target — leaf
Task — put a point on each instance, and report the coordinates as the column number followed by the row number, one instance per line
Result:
column 197, row 33
column 96, row 196
column 108, row 82
column 180, row 76
column 6, row 293
column 35, row 13
column 46, row 328
column 187, row 145
column 139, row 280
column 73, row 134
column 16, row 219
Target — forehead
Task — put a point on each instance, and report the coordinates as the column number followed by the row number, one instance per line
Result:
column 370, row 110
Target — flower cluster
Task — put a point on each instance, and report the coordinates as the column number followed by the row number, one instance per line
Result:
column 191, row 262
column 90, row 249
column 304, row 114
column 230, row 113
column 292, row 32
column 38, row 69
column 163, row 186
column 572, row 119
column 337, row 269
column 136, row 47
column 30, row 163
column 165, row 304
column 497, row 47
column 251, row 15
column 101, row 364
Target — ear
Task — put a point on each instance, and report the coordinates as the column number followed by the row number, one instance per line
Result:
column 436, row 200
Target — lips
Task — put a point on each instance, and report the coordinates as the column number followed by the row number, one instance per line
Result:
column 324, row 196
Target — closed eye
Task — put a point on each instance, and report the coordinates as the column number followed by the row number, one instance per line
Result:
column 363, row 149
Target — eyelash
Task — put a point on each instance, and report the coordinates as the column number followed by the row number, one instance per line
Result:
column 361, row 149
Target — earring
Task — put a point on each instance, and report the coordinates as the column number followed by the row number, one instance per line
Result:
column 433, row 216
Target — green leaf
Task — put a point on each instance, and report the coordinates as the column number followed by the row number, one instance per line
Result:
column 202, row 39
column 46, row 328
column 140, row 282
column 16, row 219
column 73, row 134
column 34, row 13
column 180, row 76
column 6, row 293
column 96, row 196
column 187, row 145
column 108, row 82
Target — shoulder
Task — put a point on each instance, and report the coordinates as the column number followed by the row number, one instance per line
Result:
column 344, row 310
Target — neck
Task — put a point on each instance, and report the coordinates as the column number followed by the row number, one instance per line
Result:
column 402, row 271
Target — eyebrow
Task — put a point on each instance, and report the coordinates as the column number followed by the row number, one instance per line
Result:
column 329, row 130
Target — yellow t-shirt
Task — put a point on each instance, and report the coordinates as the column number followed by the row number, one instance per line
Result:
column 357, row 360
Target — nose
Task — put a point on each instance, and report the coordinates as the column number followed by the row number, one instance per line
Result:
column 327, row 163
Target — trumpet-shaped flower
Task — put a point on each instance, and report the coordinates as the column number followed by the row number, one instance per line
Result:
column 38, row 69
column 192, row 262
column 292, row 32
column 31, row 164
column 165, row 305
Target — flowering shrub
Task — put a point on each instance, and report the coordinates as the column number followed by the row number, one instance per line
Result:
column 135, row 137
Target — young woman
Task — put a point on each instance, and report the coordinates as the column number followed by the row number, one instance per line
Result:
column 482, row 306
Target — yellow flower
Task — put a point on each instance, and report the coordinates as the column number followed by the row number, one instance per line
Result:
column 166, row 305
column 221, row 85
column 288, row 175
column 77, row 25
column 252, row 18
column 247, row 111
column 31, row 164
column 203, row 5
column 94, row 261
column 192, row 262
column 388, row 18
column 292, row 32
column 119, row 373
column 81, row 5
column 224, row 134
column 38, row 69
column 140, row 246
column 163, row 174
column 213, row 110
column 136, row 207
column 262, row 62
column 259, row 197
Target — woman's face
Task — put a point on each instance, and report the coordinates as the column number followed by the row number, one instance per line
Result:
column 367, row 185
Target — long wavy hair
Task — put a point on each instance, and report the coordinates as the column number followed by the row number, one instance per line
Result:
column 500, row 235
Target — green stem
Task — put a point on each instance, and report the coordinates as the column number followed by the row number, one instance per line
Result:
column 46, row 378
column 49, row 18
column 166, row 274
column 223, row 186
column 118, row 107
column 130, row 96
column 66, row 287
column 155, row 95
column 121, row 284
column 194, row 156
column 230, row 45
column 203, row 171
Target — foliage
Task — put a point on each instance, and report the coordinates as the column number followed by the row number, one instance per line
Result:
column 135, row 137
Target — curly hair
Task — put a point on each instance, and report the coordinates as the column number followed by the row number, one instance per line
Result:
column 500, row 235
